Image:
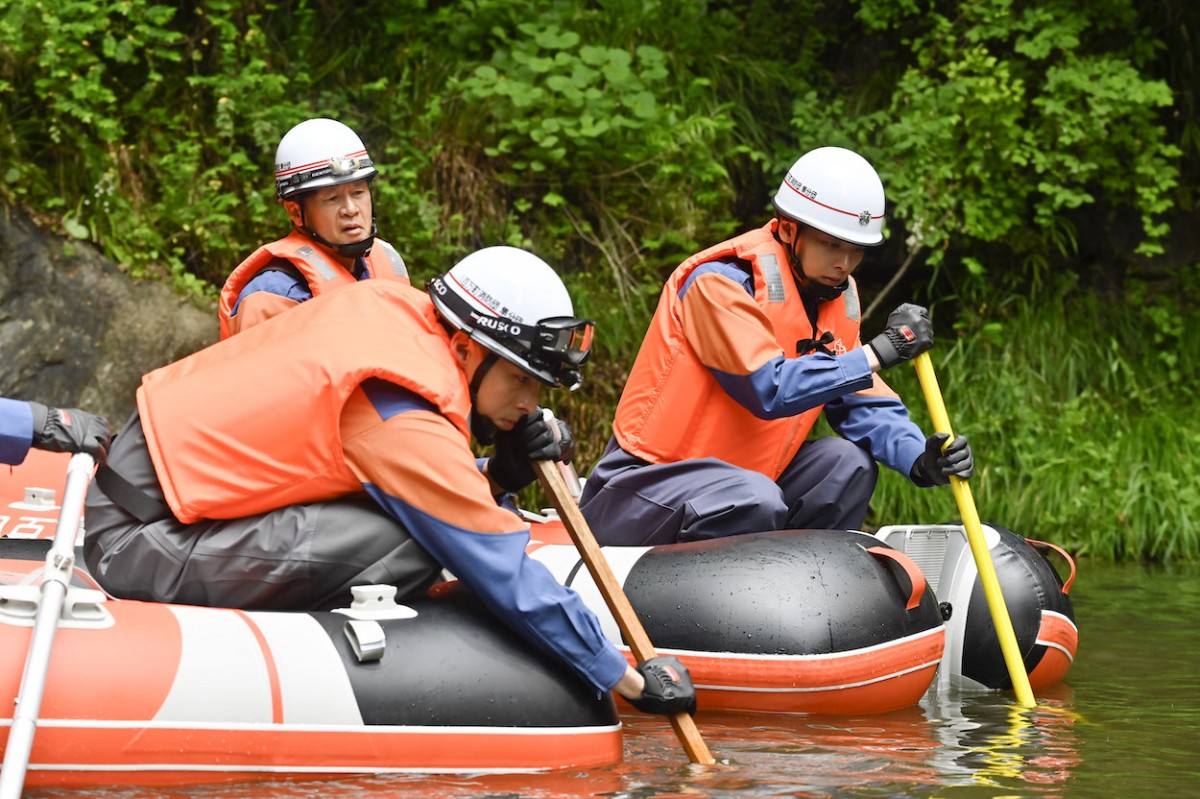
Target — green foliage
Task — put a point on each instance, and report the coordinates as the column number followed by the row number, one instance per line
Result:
column 1080, row 434
column 174, row 114
column 1009, row 120
column 616, row 137
column 76, row 78
column 610, row 136
column 600, row 142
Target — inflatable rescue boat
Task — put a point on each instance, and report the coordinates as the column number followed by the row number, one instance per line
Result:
column 832, row 621
column 1037, row 599
column 147, row 693
column 155, row 694
column 823, row 621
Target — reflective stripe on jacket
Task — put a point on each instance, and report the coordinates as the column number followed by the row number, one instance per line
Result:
column 318, row 268
column 673, row 408
column 251, row 423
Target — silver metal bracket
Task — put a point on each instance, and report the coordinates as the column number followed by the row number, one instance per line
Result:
column 82, row 607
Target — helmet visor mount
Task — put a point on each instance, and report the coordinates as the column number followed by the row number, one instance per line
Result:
column 563, row 339
column 555, row 347
column 340, row 166
column 558, row 345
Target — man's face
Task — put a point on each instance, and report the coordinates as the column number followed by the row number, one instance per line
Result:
column 506, row 394
column 339, row 214
column 825, row 259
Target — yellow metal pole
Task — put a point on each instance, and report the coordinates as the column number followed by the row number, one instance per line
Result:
column 983, row 558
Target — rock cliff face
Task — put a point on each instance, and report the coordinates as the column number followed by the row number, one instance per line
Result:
column 77, row 332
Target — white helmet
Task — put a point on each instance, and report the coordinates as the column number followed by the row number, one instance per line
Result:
column 836, row 191
column 515, row 305
column 319, row 152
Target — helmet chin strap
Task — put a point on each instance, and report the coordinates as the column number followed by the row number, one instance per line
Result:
column 819, row 291
column 482, row 428
column 357, row 249
column 810, row 289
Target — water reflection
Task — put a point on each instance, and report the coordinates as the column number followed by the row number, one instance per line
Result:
column 1000, row 745
column 946, row 747
column 950, row 745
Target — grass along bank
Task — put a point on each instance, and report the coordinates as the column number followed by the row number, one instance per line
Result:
column 1083, row 420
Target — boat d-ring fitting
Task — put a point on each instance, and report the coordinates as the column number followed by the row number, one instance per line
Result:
column 372, row 604
column 366, row 639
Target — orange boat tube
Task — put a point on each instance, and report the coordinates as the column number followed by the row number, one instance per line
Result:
column 156, row 694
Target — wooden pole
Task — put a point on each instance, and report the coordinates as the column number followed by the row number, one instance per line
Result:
column 614, row 596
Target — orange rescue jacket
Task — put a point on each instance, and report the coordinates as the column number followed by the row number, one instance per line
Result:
column 673, row 409
column 251, row 423
column 319, row 269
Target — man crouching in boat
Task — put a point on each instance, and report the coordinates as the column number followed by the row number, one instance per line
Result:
column 751, row 340
column 330, row 447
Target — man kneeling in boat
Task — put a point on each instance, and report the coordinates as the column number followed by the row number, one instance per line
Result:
column 330, row 447
column 751, row 340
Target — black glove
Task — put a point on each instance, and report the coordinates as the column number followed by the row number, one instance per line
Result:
column 70, row 430
column 909, row 333
column 534, row 438
column 935, row 467
column 669, row 688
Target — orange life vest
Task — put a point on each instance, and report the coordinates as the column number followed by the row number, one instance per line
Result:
column 251, row 423
column 673, row 409
column 318, row 268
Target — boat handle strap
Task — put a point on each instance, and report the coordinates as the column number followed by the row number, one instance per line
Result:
column 1070, row 561
column 916, row 578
